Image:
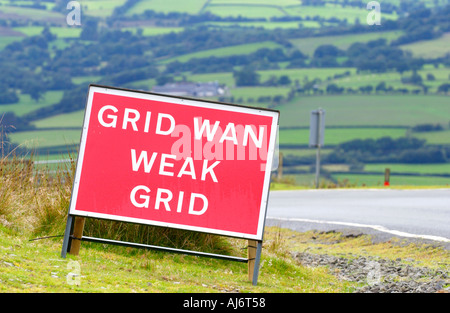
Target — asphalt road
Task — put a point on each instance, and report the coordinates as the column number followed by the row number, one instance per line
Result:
column 422, row 215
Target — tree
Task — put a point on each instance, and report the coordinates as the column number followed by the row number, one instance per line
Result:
column 34, row 89
column 7, row 96
column 89, row 31
column 284, row 80
column 444, row 88
column 48, row 35
column 326, row 51
column 381, row 87
column 334, row 89
column 246, row 77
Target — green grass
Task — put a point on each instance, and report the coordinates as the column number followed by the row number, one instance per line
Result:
column 393, row 79
column 256, row 92
column 223, row 78
column 335, row 10
column 100, row 8
column 437, row 137
column 395, row 181
column 74, row 119
column 6, row 40
column 46, row 138
column 256, row 2
column 246, row 11
column 360, row 110
column 309, row 45
column 266, row 25
column 410, row 168
column 27, row 105
column 334, row 136
column 304, row 152
column 60, row 32
column 306, row 74
column 166, row 6
column 85, row 79
column 440, row 47
column 226, row 51
column 153, row 31
column 37, row 267
column 34, row 14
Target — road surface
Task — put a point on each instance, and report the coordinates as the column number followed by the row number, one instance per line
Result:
column 416, row 214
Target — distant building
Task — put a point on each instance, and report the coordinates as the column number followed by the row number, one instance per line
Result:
column 190, row 89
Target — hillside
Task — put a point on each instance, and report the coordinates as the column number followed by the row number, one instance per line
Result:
column 374, row 81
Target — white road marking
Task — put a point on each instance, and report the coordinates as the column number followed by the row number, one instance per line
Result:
column 375, row 227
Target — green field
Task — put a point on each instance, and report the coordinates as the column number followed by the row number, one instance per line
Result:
column 263, row 11
column 166, row 6
column 27, row 105
column 60, row 32
column 153, row 31
column 350, row 113
column 226, row 51
column 100, row 8
column 410, row 168
column 267, row 25
column 437, row 137
column 6, row 40
column 255, row 92
column 394, row 79
column 46, row 138
column 359, row 110
column 74, row 119
column 401, row 180
column 422, row 49
column 335, row 136
column 351, row 14
column 309, row 45
column 268, row 9
column 34, row 14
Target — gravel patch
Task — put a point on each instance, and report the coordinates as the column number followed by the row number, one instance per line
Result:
column 381, row 275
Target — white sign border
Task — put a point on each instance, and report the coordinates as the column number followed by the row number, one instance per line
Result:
column 93, row 88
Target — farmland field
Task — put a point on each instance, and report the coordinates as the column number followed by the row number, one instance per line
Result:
column 357, row 110
column 309, row 45
column 27, row 105
column 165, row 6
column 60, row 32
column 410, row 168
column 422, row 49
column 334, row 136
column 47, row 138
column 435, row 137
column 400, row 180
column 251, row 12
column 227, row 51
column 100, row 8
column 74, row 119
column 351, row 14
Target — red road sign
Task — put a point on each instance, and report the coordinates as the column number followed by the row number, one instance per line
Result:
column 174, row 162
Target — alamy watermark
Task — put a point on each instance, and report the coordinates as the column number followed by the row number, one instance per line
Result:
column 374, row 273
column 374, row 16
column 74, row 276
column 73, row 18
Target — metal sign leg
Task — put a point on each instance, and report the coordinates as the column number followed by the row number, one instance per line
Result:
column 66, row 240
column 257, row 261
